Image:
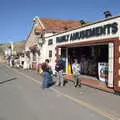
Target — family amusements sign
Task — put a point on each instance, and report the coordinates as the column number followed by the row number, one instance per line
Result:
column 92, row 32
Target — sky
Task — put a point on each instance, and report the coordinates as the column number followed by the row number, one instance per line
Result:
column 16, row 16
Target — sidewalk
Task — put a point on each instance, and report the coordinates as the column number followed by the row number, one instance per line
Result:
column 91, row 82
column 85, row 80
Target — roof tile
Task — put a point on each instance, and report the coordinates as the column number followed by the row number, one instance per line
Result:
column 60, row 25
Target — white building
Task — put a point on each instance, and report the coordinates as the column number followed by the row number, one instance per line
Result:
column 98, row 41
column 93, row 43
column 36, row 45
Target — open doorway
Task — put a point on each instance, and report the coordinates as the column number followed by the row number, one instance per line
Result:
column 89, row 57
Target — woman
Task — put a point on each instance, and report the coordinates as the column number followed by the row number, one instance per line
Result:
column 47, row 78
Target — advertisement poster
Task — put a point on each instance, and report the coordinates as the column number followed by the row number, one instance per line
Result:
column 103, row 71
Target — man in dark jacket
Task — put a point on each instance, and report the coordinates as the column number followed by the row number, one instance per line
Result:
column 59, row 67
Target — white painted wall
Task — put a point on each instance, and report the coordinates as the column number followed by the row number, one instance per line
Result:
column 45, row 53
column 48, row 34
column 110, row 63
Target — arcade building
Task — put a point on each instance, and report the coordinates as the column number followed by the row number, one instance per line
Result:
column 96, row 46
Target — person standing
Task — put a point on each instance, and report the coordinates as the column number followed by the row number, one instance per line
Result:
column 11, row 61
column 22, row 60
column 76, row 67
column 59, row 67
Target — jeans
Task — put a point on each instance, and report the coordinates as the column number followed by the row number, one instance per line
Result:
column 77, row 79
column 60, row 79
column 47, row 80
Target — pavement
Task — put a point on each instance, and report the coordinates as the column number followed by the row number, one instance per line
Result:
column 104, row 103
column 91, row 82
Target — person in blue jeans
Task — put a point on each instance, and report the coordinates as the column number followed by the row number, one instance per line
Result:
column 47, row 78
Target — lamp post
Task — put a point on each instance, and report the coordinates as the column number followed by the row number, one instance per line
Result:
column 9, row 52
column 40, row 42
column 11, row 44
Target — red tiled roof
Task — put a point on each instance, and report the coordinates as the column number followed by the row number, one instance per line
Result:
column 52, row 25
column 59, row 25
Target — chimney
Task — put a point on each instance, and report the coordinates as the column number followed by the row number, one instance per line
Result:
column 107, row 14
column 82, row 22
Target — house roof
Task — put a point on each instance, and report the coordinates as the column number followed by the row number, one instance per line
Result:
column 54, row 25
column 59, row 25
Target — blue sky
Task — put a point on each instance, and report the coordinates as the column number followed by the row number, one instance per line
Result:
column 16, row 15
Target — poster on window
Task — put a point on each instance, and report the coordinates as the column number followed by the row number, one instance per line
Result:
column 103, row 71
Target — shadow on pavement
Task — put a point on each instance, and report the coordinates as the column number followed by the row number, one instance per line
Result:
column 1, row 82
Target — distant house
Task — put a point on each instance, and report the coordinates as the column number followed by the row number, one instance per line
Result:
column 19, row 47
column 44, row 27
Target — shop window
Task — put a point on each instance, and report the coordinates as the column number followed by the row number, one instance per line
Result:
column 50, row 42
column 50, row 53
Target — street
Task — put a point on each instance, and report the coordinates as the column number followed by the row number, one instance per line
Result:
column 21, row 98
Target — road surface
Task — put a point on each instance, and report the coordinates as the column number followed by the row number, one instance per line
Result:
column 21, row 98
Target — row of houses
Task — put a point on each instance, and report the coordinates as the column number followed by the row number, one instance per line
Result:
column 95, row 44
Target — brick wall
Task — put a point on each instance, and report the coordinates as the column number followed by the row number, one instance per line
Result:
column 117, row 65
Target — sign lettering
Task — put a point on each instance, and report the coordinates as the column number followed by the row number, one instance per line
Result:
column 93, row 32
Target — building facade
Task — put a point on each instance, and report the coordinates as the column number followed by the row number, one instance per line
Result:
column 95, row 44
column 36, row 45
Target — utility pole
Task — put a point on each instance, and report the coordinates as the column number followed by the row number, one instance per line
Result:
column 11, row 44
